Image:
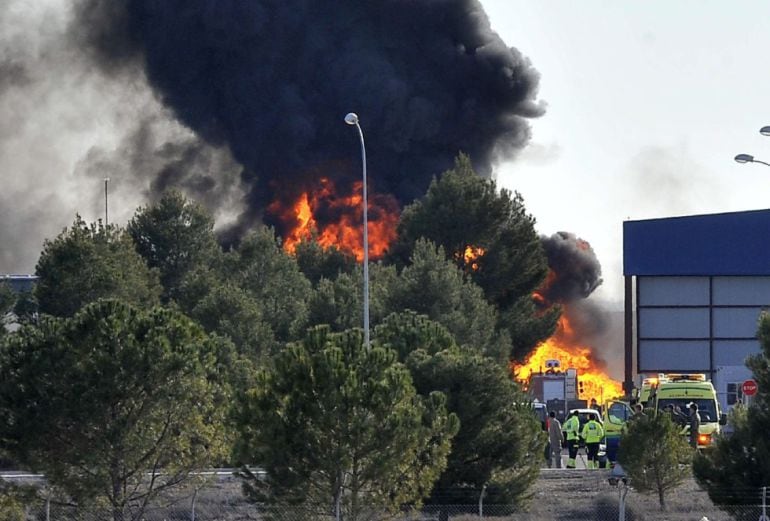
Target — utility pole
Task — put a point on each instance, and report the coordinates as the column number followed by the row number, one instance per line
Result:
column 106, row 180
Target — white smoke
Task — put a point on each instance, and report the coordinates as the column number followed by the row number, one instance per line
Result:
column 64, row 127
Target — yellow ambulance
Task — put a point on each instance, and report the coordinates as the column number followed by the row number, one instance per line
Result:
column 679, row 391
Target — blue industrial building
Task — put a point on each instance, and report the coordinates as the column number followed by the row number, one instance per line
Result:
column 695, row 287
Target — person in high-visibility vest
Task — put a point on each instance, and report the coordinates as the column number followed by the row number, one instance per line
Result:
column 572, row 428
column 592, row 433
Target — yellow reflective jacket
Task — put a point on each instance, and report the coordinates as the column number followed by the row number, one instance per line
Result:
column 593, row 432
column 571, row 427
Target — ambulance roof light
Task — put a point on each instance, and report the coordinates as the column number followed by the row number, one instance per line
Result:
column 697, row 377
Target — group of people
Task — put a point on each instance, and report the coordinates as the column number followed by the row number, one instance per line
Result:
column 693, row 420
column 591, row 433
column 677, row 416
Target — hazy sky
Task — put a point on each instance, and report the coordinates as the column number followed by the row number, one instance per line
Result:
column 648, row 103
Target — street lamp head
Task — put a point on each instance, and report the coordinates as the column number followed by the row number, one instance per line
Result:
column 765, row 131
column 744, row 158
column 351, row 118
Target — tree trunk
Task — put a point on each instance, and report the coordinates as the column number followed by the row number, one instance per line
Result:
column 662, row 498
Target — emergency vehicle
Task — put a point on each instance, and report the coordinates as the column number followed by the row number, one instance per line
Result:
column 680, row 390
column 615, row 414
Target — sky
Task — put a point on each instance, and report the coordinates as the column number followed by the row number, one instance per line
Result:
column 647, row 105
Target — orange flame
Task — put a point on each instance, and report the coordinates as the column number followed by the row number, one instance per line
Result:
column 561, row 346
column 347, row 232
column 471, row 255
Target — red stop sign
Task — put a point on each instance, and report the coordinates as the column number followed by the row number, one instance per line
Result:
column 749, row 388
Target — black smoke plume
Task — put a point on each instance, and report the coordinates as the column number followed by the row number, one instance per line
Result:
column 271, row 80
column 576, row 271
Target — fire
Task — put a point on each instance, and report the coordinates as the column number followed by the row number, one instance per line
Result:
column 595, row 382
column 471, row 255
column 343, row 226
column 540, row 295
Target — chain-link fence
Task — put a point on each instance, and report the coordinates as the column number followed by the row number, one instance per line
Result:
column 603, row 510
column 559, row 495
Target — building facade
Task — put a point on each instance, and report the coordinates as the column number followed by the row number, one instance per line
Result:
column 695, row 288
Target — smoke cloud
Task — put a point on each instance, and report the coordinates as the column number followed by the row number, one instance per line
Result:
column 65, row 125
column 575, row 272
column 576, row 269
column 241, row 103
column 271, row 80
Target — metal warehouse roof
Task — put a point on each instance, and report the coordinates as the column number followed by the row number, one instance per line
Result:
column 735, row 243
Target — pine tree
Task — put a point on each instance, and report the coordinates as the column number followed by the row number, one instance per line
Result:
column 339, row 429
column 655, row 455
column 739, row 466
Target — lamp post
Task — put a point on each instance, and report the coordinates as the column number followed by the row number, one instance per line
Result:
column 352, row 119
column 106, row 180
column 748, row 158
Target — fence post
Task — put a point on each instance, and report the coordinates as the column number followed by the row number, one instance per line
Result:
column 194, row 498
column 481, row 500
column 622, row 491
column 48, row 505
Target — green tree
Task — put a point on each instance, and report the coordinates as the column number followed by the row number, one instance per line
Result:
column 317, row 262
column 7, row 303
column 115, row 404
column 735, row 471
column 337, row 302
column 228, row 310
column 272, row 278
column 338, row 426
column 175, row 235
column 498, row 434
column 408, row 331
column 489, row 235
column 433, row 286
column 89, row 262
column 655, row 455
column 499, row 443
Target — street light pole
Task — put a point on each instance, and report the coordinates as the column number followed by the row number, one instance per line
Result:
column 748, row 158
column 106, row 180
column 352, row 119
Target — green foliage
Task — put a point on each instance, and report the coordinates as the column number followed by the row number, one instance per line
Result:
column 337, row 302
column 739, row 466
column 89, row 262
column 228, row 310
column 500, row 441
column 99, row 400
column 317, row 262
column 86, row 263
column 462, row 210
column 334, row 423
column 655, row 455
column 7, row 303
column 433, row 286
column 407, row 332
column 175, row 236
column 273, row 280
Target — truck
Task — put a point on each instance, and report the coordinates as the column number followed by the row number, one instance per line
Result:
column 682, row 389
column 556, row 388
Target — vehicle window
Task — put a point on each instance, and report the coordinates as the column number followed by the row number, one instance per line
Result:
column 618, row 413
column 707, row 409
